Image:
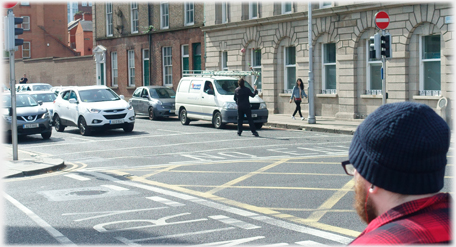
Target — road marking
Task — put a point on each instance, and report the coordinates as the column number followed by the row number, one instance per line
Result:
column 110, row 213
column 160, row 171
column 234, row 222
column 310, row 243
column 114, row 187
column 131, row 242
column 259, row 187
column 43, row 224
column 247, row 176
column 77, row 177
column 165, row 201
column 233, row 242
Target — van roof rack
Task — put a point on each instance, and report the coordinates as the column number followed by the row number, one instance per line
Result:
column 201, row 73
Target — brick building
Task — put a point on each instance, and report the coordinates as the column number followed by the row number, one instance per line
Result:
column 140, row 44
column 80, row 34
column 347, row 83
column 45, row 30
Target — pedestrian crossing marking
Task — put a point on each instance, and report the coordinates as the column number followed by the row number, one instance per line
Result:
column 310, row 243
column 165, row 201
column 114, row 187
column 77, row 177
column 234, row 222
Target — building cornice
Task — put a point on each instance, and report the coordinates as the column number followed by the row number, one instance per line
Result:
column 152, row 32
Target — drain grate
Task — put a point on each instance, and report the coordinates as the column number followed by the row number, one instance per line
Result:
column 87, row 193
column 84, row 193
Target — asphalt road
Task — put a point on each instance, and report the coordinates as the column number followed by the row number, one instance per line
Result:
column 165, row 183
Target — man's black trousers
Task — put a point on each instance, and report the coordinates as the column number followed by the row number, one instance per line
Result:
column 248, row 113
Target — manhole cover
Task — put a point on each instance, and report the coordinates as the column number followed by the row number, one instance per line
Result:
column 88, row 192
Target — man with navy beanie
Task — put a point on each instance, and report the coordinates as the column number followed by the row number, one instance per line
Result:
column 397, row 157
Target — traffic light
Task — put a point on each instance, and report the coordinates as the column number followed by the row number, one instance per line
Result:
column 386, row 45
column 11, row 40
column 374, row 46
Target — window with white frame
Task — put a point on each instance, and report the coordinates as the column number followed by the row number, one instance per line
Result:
column 109, row 19
column 131, row 67
column 26, row 23
column 255, row 55
column 164, row 15
column 114, row 69
column 373, row 72
column 185, row 59
column 329, row 69
column 253, row 10
column 134, row 17
column 430, row 83
column 324, row 4
column 189, row 13
column 289, row 68
column 167, row 66
column 224, row 12
column 84, row 4
column 224, row 60
column 287, row 7
column 26, row 53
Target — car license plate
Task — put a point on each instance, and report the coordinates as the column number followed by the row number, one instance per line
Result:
column 31, row 126
column 254, row 115
column 116, row 121
column 172, row 111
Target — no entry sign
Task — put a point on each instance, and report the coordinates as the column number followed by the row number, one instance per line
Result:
column 382, row 20
column 9, row 5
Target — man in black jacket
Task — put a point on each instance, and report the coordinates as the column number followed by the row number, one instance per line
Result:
column 241, row 96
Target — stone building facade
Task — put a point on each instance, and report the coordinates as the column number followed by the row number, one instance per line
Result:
column 142, row 43
column 273, row 38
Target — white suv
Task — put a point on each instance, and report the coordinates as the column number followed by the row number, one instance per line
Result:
column 90, row 108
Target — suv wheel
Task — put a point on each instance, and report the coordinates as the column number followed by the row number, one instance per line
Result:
column 129, row 127
column 152, row 114
column 83, row 128
column 46, row 135
column 58, row 124
column 217, row 121
column 183, row 117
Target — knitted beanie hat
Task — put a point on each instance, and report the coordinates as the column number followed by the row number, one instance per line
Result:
column 402, row 148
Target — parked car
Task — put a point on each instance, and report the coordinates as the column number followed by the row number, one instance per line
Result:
column 33, row 87
column 196, row 101
column 58, row 89
column 47, row 99
column 90, row 108
column 154, row 101
column 4, row 88
column 32, row 117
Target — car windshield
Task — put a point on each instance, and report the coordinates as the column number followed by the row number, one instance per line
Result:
column 227, row 87
column 41, row 87
column 98, row 95
column 44, row 97
column 161, row 93
column 22, row 100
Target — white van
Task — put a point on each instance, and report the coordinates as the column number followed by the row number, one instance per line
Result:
column 194, row 100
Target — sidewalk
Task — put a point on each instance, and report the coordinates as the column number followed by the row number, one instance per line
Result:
column 29, row 163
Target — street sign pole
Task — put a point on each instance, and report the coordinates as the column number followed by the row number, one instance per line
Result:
column 11, row 49
column 382, row 21
column 383, row 74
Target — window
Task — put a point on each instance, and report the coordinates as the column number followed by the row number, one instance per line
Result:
column 26, row 23
column 134, row 17
column 167, row 66
column 325, row 5
column 290, row 68
column 114, row 68
column 225, row 60
column 374, row 77
column 253, row 10
column 221, row 12
column 146, row 78
column 185, row 59
column 329, row 69
column 286, row 7
column 256, row 66
column 26, row 50
column 164, row 13
column 109, row 19
column 430, row 84
column 131, row 68
column 90, row 4
column 84, row 4
column 196, row 56
column 25, row 3
column 224, row 12
column 189, row 13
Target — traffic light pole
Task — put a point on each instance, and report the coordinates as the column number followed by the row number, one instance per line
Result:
column 11, row 49
column 383, row 72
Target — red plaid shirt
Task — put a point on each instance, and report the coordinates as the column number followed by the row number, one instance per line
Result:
column 422, row 221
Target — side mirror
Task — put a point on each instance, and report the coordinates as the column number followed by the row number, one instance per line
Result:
column 122, row 97
column 40, row 102
column 73, row 101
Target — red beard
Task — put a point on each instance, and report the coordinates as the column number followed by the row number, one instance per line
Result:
column 366, row 211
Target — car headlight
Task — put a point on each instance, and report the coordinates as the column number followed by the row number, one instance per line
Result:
column 93, row 110
column 46, row 115
column 7, row 118
column 230, row 106
column 130, row 107
column 263, row 105
column 159, row 102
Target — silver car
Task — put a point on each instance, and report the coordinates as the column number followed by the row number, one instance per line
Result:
column 154, row 101
column 32, row 117
column 47, row 99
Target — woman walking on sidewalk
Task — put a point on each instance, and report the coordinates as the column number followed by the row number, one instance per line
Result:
column 297, row 94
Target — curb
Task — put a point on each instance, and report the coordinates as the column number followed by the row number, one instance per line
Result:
column 310, row 128
column 39, row 171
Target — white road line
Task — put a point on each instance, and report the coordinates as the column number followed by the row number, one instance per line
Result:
column 234, row 222
column 77, row 177
column 274, row 245
column 233, row 242
column 310, row 243
column 51, row 230
column 165, row 201
column 114, row 187
column 131, row 242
